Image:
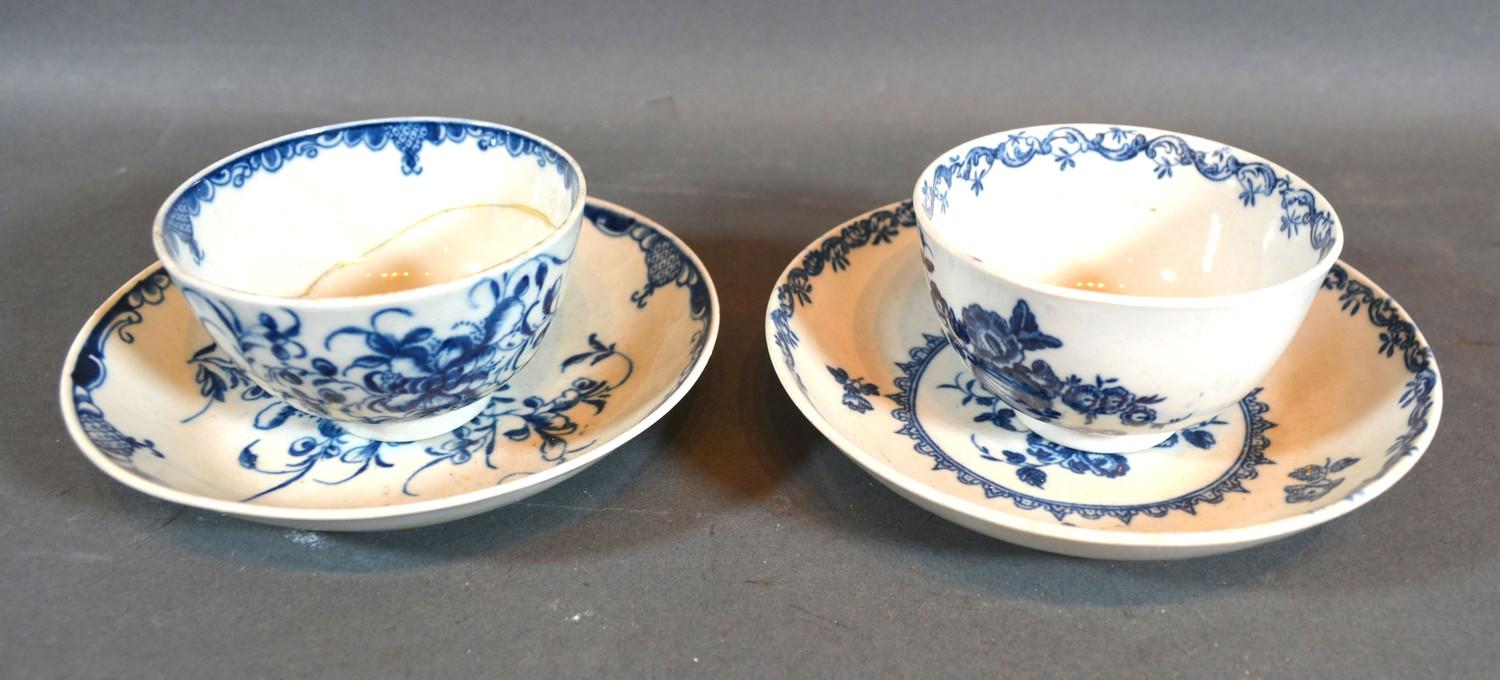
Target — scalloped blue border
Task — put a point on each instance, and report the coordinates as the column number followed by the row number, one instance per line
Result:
column 1065, row 144
column 876, row 228
column 1396, row 334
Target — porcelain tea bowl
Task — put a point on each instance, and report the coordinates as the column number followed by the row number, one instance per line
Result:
column 1115, row 285
column 247, row 237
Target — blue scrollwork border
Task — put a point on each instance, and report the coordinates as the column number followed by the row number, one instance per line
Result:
column 1065, row 145
column 877, row 228
column 666, row 265
column 90, row 372
column 408, row 137
column 1397, row 334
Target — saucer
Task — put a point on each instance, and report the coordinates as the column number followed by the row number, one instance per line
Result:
column 152, row 402
column 1345, row 413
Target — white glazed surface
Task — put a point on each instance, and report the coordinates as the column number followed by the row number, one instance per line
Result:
column 1173, row 280
column 626, row 349
column 251, row 232
column 852, row 344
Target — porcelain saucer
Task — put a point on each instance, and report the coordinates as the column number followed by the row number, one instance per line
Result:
column 152, row 402
column 1346, row 412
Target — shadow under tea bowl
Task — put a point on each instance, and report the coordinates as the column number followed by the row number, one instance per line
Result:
column 1114, row 285
column 388, row 275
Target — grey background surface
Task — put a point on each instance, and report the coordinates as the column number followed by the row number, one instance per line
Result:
column 731, row 539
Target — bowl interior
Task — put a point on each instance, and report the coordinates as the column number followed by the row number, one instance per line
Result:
column 274, row 219
column 1130, row 212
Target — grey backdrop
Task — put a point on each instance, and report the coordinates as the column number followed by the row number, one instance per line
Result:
column 731, row 539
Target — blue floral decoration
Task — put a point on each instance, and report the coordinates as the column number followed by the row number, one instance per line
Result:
column 994, row 412
column 406, row 137
column 546, row 420
column 855, row 390
column 1317, row 480
column 1396, row 335
column 997, row 347
column 832, row 254
column 329, row 455
column 405, row 371
column 1065, row 145
column 1040, row 453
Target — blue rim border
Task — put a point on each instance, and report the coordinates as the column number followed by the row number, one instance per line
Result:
column 407, row 135
column 878, row 227
column 1166, row 150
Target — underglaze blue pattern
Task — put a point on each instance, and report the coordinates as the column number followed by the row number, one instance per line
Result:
column 89, row 369
column 665, row 262
column 1232, row 480
column 1317, row 480
column 555, row 424
column 1067, row 144
column 596, row 373
column 855, row 390
column 406, row 137
column 995, row 412
column 390, row 368
column 877, row 228
column 665, row 265
column 1396, row 335
column 997, row 347
column 218, row 377
column 1041, row 453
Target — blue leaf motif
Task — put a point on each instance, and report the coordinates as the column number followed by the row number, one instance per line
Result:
column 1032, row 476
column 1202, row 439
column 855, row 390
column 273, row 416
column 247, row 456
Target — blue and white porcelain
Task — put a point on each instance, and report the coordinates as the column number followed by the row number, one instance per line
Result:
column 153, row 399
column 1343, row 414
column 1114, row 285
column 244, row 237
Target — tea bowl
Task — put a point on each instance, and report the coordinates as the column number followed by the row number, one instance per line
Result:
column 248, row 236
column 1115, row 285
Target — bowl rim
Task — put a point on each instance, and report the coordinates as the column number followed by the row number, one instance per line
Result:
column 567, row 228
column 1311, row 274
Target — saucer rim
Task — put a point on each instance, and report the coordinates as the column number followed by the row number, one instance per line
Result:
column 990, row 518
column 282, row 514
